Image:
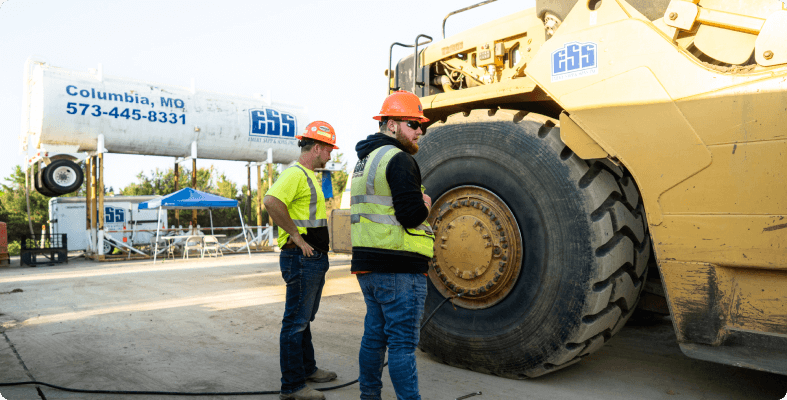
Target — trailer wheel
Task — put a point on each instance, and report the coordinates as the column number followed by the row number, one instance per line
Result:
column 41, row 187
column 549, row 251
column 63, row 176
column 108, row 248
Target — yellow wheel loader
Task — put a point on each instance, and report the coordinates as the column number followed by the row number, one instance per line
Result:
column 581, row 151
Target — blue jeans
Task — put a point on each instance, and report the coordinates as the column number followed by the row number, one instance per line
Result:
column 394, row 306
column 305, row 277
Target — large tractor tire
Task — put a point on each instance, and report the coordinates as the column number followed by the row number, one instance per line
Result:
column 548, row 251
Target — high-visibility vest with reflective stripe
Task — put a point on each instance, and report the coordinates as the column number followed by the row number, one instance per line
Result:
column 317, row 216
column 311, row 216
column 373, row 223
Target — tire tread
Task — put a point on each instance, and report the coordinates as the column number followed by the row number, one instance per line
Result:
column 619, row 237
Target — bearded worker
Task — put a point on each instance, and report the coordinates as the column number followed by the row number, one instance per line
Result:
column 392, row 245
column 296, row 204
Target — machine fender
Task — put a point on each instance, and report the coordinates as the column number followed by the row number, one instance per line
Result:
column 578, row 140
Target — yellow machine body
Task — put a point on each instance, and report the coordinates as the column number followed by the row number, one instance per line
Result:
column 694, row 106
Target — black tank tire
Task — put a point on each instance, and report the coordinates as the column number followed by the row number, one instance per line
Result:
column 40, row 186
column 62, row 176
column 584, row 235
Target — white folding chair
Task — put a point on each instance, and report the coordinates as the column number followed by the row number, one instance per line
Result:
column 210, row 243
column 192, row 243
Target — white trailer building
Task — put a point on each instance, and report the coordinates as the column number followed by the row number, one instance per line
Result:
column 123, row 221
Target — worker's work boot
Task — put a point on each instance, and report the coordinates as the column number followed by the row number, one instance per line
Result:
column 306, row 393
column 321, row 376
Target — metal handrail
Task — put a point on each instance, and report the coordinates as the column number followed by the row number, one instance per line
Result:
column 415, row 59
column 390, row 71
column 462, row 10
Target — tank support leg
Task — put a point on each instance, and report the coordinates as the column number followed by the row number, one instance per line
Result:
column 100, row 218
column 194, row 186
column 259, row 205
column 177, row 176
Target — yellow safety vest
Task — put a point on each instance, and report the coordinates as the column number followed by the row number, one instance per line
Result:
column 312, row 216
column 373, row 223
column 317, row 216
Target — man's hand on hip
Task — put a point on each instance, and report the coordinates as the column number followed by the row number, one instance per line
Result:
column 307, row 250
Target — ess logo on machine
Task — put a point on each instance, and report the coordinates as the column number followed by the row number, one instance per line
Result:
column 270, row 122
column 574, row 60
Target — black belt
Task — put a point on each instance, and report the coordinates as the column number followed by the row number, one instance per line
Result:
column 289, row 246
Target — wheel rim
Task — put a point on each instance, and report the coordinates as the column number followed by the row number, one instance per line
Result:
column 64, row 176
column 478, row 247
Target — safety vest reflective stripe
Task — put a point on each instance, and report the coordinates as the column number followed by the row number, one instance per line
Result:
column 384, row 219
column 373, row 168
column 374, row 199
column 370, row 197
column 312, row 222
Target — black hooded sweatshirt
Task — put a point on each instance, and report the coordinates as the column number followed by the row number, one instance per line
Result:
column 404, row 178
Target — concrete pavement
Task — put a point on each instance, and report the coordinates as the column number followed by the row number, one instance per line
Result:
column 213, row 325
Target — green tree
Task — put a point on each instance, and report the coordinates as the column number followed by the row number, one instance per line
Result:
column 339, row 179
column 13, row 205
column 159, row 183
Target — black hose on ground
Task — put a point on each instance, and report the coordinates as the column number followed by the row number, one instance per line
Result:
column 141, row 392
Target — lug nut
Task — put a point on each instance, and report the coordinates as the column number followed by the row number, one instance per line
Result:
column 768, row 55
column 673, row 16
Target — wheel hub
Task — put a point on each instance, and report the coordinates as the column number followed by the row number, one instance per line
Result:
column 478, row 247
column 64, row 176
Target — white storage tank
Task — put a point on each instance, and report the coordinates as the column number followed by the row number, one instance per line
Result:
column 66, row 110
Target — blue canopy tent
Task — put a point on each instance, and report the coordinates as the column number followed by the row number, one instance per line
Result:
column 190, row 199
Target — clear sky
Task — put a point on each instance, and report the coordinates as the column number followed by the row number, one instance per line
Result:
column 328, row 56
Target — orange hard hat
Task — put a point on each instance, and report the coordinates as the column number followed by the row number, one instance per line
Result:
column 404, row 105
column 320, row 131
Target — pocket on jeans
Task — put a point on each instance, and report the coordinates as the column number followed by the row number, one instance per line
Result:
column 316, row 255
column 317, row 262
column 384, row 287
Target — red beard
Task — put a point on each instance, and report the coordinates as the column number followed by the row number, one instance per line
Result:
column 410, row 147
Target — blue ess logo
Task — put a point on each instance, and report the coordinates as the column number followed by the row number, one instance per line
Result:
column 269, row 122
column 112, row 215
column 574, row 60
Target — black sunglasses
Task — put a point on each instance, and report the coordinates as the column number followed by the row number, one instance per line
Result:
column 414, row 125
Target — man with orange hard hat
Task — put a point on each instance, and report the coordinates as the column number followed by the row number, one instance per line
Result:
column 296, row 204
column 392, row 245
